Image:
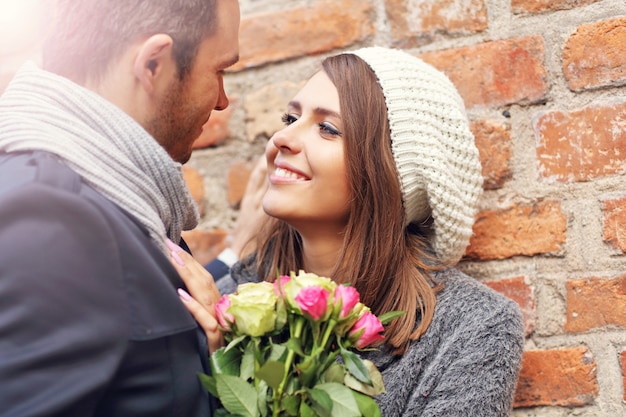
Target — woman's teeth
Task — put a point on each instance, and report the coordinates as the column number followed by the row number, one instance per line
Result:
column 280, row 172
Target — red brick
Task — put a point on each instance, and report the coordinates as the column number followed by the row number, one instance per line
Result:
column 539, row 6
column 519, row 291
column 415, row 23
column 238, row 175
column 300, row 31
column 195, row 183
column 205, row 245
column 496, row 73
column 614, row 212
column 595, row 302
column 215, row 131
column 493, row 141
column 560, row 377
column 265, row 106
column 583, row 144
column 520, row 230
column 594, row 55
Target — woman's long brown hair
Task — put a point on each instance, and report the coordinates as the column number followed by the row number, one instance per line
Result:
column 386, row 262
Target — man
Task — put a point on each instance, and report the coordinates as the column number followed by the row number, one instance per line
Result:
column 90, row 191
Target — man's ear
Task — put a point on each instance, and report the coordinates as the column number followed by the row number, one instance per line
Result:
column 152, row 60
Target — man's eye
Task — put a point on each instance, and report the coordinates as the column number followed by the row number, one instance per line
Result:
column 288, row 119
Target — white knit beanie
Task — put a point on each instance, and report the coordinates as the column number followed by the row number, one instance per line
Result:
column 434, row 150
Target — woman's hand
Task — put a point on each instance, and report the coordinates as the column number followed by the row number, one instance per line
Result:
column 251, row 216
column 203, row 294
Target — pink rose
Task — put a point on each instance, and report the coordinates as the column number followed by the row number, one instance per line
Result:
column 371, row 327
column 280, row 283
column 313, row 301
column 223, row 318
column 349, row 297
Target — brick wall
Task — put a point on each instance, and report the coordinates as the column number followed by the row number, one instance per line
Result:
column 543, row 81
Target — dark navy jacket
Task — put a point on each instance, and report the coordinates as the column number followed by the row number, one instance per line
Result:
column 90, row 322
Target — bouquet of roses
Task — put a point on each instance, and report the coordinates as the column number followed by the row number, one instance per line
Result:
column 290, row 350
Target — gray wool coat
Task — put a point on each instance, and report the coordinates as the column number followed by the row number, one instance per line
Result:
column 467, row 362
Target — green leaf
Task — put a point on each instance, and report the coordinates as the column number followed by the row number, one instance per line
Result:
column 272, row 373
column 236, row 341
column 376, row 387
column 237, row 396
column 258, row 349
column 281, row 314
column 291, row 404
column 306, row 410
column 225, row 362
column 308, row 371
column 322, row 404
column 294, row 344
column 367, row 405
column 343, row 402
column 222, row 412
column 208, row 382
column 389, row 316
column 278, row 352
column 262, row 392
column 355, row 366
column 335, row 373
column 246, row 371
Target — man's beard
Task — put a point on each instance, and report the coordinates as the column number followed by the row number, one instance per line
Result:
column 174, row 123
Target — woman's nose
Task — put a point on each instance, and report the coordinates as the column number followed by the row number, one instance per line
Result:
column 287, row 139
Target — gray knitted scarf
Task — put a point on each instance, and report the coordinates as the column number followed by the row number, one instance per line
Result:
column 105, row 146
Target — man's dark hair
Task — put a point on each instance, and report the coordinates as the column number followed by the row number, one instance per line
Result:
column 83, row 37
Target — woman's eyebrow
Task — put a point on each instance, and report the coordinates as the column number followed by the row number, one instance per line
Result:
column 295, row 105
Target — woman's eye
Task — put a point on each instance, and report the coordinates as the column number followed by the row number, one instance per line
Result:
column 288, row 119
column 328, row 129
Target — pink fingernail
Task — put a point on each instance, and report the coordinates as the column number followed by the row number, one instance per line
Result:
column 177, row 258
column 172, row 246
column 184, row 295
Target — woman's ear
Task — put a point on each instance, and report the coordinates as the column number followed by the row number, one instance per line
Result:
column 154, row 62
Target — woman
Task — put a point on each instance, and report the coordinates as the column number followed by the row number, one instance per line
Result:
column 374, row 181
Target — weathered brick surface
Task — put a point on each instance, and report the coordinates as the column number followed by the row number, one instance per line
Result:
column 415, row 22
column 493, row 141
column 518, row 290
column 538, row 6
column 205, row 245
column 614, row 224
column 564, row 377
column 195, row 183
column 623, row 361
column 582, row 145
column 594, row 55
column 265, row 107
column 297, row 31
column 595, row 302
column 520, row 230
column 496, row 73
column 238, row 175
column 215, row 131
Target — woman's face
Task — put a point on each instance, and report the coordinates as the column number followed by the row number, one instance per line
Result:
column 306, row 166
